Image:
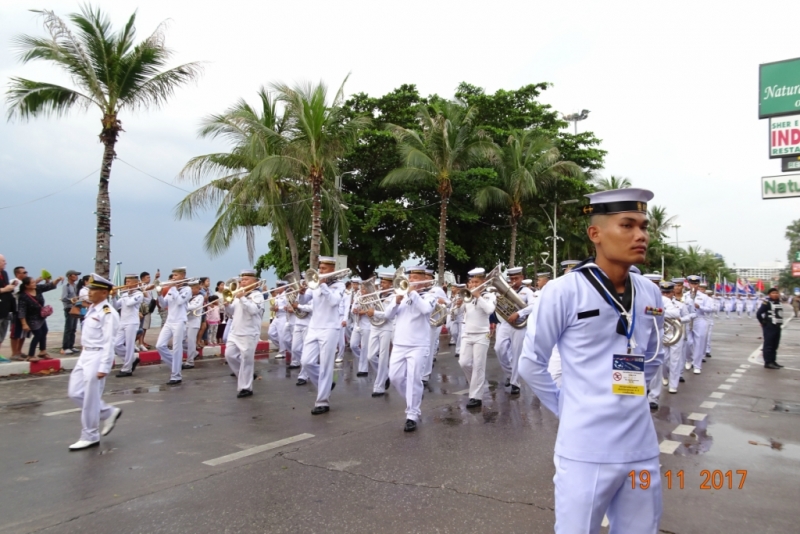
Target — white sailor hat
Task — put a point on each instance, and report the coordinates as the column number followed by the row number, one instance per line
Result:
column 281, row 283
column 356, row 280
column 248, row 272
column 693, row 279
column 618, row 201
column 653, row 277
column 569, row 263
column 635, row 269
column 417, row 269
column 527, row 282
column 194, row 282
column 514, row 270
column 709, row 292
column 98, row 282
column 460, row 286
column 179, row 270
column 703, row 283
column 543, row 274
column 678, row 280
column 386, row 276
column 327, row 259
column 429, row 272
column 478, row 271
column 127, row 276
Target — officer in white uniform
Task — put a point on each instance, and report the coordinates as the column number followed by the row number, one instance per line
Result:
column 175, row 328
column 412, row 338
column 436, row 331
column 359, row 338
column 602, row 319
column 380, row 336
column 319, row 349
column 247, row 311
column 127, row 304
column 304, row 305
column 671, row 311
column 702, row 305
column 508, row 340
column 193, row 323
column 475, row 341
column 277, row 327
column 86, row 382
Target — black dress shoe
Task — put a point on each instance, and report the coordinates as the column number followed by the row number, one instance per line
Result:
column 387, row 384
column 424, row 382
column 187, row 366
column 771, row 365
column 294, row 366
column 508, row 382
column 244, row 393
column 301, row 382
column 362, row 374
column 333, row 386
column 123, row 374
column 378, row 393
column 515, row 390
column 135, row 364
column 681, row 380
column 410, row 426
column 233, row 374
column 708, row 354
column 654, row 406
column 704, row 360
column 474, row 403
column 776, row 363
column 174, row 382
column 320, row 410
column 457, row 355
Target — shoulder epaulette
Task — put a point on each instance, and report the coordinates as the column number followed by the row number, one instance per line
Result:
column 106, row 309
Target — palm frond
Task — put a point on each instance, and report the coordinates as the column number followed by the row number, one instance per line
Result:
column 27, row 99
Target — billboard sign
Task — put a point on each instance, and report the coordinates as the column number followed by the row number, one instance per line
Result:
column 782, row 186
column 796, row 269
column 779, row 88
column 790, row 164
column 784, row 136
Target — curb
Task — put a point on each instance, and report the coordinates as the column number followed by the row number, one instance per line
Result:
column 149, row 357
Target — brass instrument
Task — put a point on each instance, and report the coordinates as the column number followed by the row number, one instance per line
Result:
column 673, row 331
column 371, row 299
column 402, row 285
column 439, row 315
column 692, row 296
column 293, row 289
column 466, row 293
column 314, row 279
column 508, row 301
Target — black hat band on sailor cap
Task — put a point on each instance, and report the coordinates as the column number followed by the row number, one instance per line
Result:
column 608, row 208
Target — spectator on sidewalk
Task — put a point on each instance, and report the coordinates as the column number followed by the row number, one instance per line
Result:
column 148, row 306
column 32, row 313
column 7, row 303
column 83, row 296
column 17, row 335
column 205, row 290
column 69, row 297
column 223, row 318
column 212, row 318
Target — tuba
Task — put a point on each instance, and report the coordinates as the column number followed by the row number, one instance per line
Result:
column 673, row 331
column 371, row 299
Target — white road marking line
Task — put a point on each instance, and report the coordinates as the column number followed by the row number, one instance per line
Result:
column 745, row 366
column 256, row 450
column 683, row 430
column 736, row 375
column 707, row 404
column 724, row 386
column 668, row 446
column 73, row 410
column 732, row 380
column 462, row 392
column 717, row 395
column 694, row 416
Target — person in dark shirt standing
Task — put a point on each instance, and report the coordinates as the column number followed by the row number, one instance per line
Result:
column 7, row 304
column 770, row 315
column 69, row 296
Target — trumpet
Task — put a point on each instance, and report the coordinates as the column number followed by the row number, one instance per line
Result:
column 314, row 279
column 402, row 285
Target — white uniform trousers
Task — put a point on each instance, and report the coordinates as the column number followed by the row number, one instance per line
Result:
column 125, row 345
column 454, row 329
column 319, row 354
column 86, row 390
column 502, row 348
column 359, row 344
column 688, row 344
column 473, row 361
column 655, row 385
column 240, row 355
column 448, row 323
column 379, row 344
column 191, row 343
column 174, row 357
column 341, row 341
column 708, row 337
column 433, row 348
column 298, row 338
column 673, row 363
column 405, row 372
column 700, row 339
column 586, row 491
column 277, row 333
column 517, row 339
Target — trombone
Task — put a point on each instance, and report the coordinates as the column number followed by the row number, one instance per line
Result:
column 402, row 285
column 314, row 279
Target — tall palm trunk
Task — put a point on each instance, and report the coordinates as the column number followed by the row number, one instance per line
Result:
column 442, row 235
column 102, row 258
column 293, row 251
column 316, row 216
column 513, row 242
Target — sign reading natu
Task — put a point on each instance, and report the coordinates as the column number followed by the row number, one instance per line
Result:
column 779, row 88
column 784, row 136
column 783, row 186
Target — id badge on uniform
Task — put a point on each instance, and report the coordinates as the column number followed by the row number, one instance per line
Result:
column 627, row 377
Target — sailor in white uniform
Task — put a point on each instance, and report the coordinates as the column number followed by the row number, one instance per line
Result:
column 731, row 305
column 174, row 329
column 673, row 357
column 305, row 306
column 380, row 336
column 411, row 341
column 702, row 305
column 247, row 310
column 457, row 313
column 475, row 341
column 436, row 331
column 193, row 323
column 88, row 378
column 359, row 338
column 344, row 318
column 508, row 338
column 277, row 328
column 127, row 304
column 709, row 318
column 319, row 349
column 606, row 324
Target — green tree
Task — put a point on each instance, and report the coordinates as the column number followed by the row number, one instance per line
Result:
column 612, row 182
column 110, row 71
column 529, row 160
column 787, row 281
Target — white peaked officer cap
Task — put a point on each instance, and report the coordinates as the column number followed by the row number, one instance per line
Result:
column 386, row 276
column 248, row 272
column 356, row 279
column 569, row 263
column 327, row 259
column 527, row 282
column 417, row 269
column 478, row 271
column 514, row 270
column 678, row 280
column 98, row 282
column 281, row 283
column 127, row 276
column 693, row 279
column 618, row 201
column 653, row 277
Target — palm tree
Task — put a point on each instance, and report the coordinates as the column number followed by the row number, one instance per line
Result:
column 659, row 222
column 613, row 182
column 110, row 71
column 529, row 160
column 448, row 141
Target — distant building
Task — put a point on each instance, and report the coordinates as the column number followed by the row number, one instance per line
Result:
column 769, row 270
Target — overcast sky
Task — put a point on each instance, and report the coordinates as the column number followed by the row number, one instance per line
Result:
column 672, row 91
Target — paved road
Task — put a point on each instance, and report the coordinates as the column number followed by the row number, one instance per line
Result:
column 354, row 470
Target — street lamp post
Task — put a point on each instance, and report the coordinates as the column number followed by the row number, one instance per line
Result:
column 554, row 226
column 575, row 117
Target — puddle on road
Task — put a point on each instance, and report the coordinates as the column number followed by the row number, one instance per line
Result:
column 699, row 442
column 786, row 407
column 22, row 406
column 142, row 389
column 735, row 443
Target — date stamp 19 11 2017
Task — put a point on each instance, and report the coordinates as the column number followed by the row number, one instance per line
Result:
column 715, row 479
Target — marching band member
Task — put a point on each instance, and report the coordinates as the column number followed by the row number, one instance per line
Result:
column 304, row 304
column 193, row 323
column 671, row 311
column 703, row 306
column 458, row 317
column 345, row 306
column 247, row 310
column 127, row 304
column 527, row 283
column 508, row 343
column 687, row 317
column 603, row 318
column 380, row 337
column 542, row 279
column 450, row 324
column 277, row 327
column 319, row 349
column 739, row 304
column 475, row 342
column 359, row 339
column 710, row 319
column 88, row 378
column 174, row 329
column 436, row 331
column 410, row 345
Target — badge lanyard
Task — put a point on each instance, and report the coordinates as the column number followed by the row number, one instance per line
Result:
column 629, row 315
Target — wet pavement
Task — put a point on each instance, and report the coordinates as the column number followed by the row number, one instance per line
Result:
column 194, row 458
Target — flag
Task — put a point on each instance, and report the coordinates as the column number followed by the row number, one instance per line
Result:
column 750, row 289
column 739, row 286
column 717, row 288
column 760, row 285
column 117, row 279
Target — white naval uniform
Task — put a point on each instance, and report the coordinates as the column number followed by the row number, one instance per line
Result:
column 380, row 341
column 458, row 323
column 319, row 349
column 675, row 356
column 344, row 317
column 688, row 332
column 125, row 342
column 436, row 332
column 475, row 342
column 710, row 320
column 508, row 340
column 304, row 304
column 751, row 306
column 739, row 306
column 193, row 324
column 671, row 311
column 359, row 340
column 554, row 365
column 731, row 306
column 98, row 333
column 706, row 308
column 174, row 329
column 602, row 436
column 277, row 328
column 411, row 342
column 240, row 349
